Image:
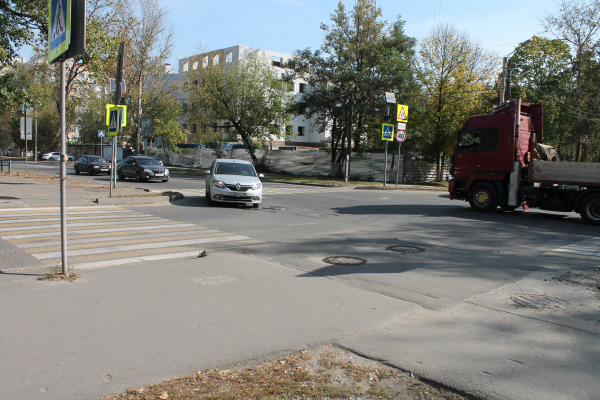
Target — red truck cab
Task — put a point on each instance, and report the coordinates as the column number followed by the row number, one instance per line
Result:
column 493, row 160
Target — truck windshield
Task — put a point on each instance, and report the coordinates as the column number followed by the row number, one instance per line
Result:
column 475, row 140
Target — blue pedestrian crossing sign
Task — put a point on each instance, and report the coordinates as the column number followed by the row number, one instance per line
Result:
column 387, row 132
column 101, row 134
column 114, row 119
column 59, row 28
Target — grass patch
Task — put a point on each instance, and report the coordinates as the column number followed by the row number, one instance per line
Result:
column 56, row 274
column 328, row 373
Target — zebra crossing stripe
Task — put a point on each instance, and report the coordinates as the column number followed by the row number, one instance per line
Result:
column 111, row 238
column 87, row 218
column 76, row 225
column 143, row 246
column 128, row 229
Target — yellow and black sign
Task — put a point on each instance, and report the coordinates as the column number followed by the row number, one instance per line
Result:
column 402, row 113
column 123, row 114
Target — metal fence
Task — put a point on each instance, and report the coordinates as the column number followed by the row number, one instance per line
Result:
column 363, row 166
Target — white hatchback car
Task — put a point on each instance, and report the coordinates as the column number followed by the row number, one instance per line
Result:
column 233, row 181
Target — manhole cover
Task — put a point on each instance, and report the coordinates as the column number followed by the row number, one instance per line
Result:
column 406, row 249
column 538, row 301
column 344, row 260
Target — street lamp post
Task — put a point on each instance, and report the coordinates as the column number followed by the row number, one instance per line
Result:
column 505, row 64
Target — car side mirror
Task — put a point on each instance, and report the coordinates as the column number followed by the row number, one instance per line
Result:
column 207, row 172
column 261, row 176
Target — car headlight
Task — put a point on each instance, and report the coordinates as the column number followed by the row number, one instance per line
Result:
column 149, row 172
column 257, row 185
column 166, row 171
column 219, row 184
column 95, row 166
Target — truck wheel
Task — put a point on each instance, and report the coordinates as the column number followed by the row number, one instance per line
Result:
column 589, row 209
column 483, row 197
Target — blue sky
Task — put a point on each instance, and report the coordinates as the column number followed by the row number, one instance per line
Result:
column 288, row 25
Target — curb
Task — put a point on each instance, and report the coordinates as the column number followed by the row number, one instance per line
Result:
column 105, row 201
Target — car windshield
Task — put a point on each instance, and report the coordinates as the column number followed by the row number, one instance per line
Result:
column 147, row 161
column 229, row 168
column 96, row 159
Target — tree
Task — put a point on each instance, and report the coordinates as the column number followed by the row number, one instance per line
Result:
column 151, row 46
column 577, row 22
column 361, row 58
column 540, row 73
column 454, row 72
column 163, row 107
column 245, row 95
column 19, row 20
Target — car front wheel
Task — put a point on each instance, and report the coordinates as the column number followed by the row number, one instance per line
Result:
column 120, row 175
column 138, row 176
column 76, row 171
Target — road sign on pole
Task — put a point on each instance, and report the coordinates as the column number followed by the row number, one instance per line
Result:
column 401, row 136
column 402, row 113
column 59, row 28
column 387, row 132
column 113, row 125
column 101, row 134
column 123, row 114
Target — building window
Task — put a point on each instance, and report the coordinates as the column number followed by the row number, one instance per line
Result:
column 184, row 126
column 205, row 62
column 216, row 59
column 229, row 57
column 276, row 61
column 184, row 107
column 195, row 65
column 302, row 88
column 185, row 66
column 300, row 131
column 292, row 86
column 302, row 109
column 193, row 128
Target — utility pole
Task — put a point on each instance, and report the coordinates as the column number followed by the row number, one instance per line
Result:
column 349, row 151
column 119, row 77
column 503, row 85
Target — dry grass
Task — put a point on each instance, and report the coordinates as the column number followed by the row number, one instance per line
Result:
column 329, row 373
column 56, row 274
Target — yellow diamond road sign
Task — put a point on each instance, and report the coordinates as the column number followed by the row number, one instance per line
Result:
column 402, row 113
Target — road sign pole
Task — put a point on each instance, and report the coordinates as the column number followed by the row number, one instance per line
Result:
column 398, row 164
column 25, row 129
column 63, row 170
column 385, row 165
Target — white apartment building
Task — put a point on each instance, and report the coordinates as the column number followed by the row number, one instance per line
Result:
column 307, row 135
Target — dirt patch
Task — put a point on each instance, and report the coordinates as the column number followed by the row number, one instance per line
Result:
column 56, row 274
column 325, row 373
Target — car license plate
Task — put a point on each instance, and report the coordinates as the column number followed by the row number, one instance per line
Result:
column 158, row 174
column 236, row 194
column 104, row 169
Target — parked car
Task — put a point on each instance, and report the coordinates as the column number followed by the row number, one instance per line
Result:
column 41, row 154
column 142, row 168
column 54, row 156
column 92, row 165
column 157, row 158
column 233, row 181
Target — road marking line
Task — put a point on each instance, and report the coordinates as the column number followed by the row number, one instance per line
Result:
column 108, row 230
column 143, row 246
column 72, row 208
column 93, row 217
column 134, row 260
column 76, row 225
column 123, row 237
column 581, row 253
column 33, row 214
column 308, row 223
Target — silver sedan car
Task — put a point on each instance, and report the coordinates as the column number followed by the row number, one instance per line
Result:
column 233, row 181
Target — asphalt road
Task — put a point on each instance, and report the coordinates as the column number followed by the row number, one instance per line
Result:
column 445, row 312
